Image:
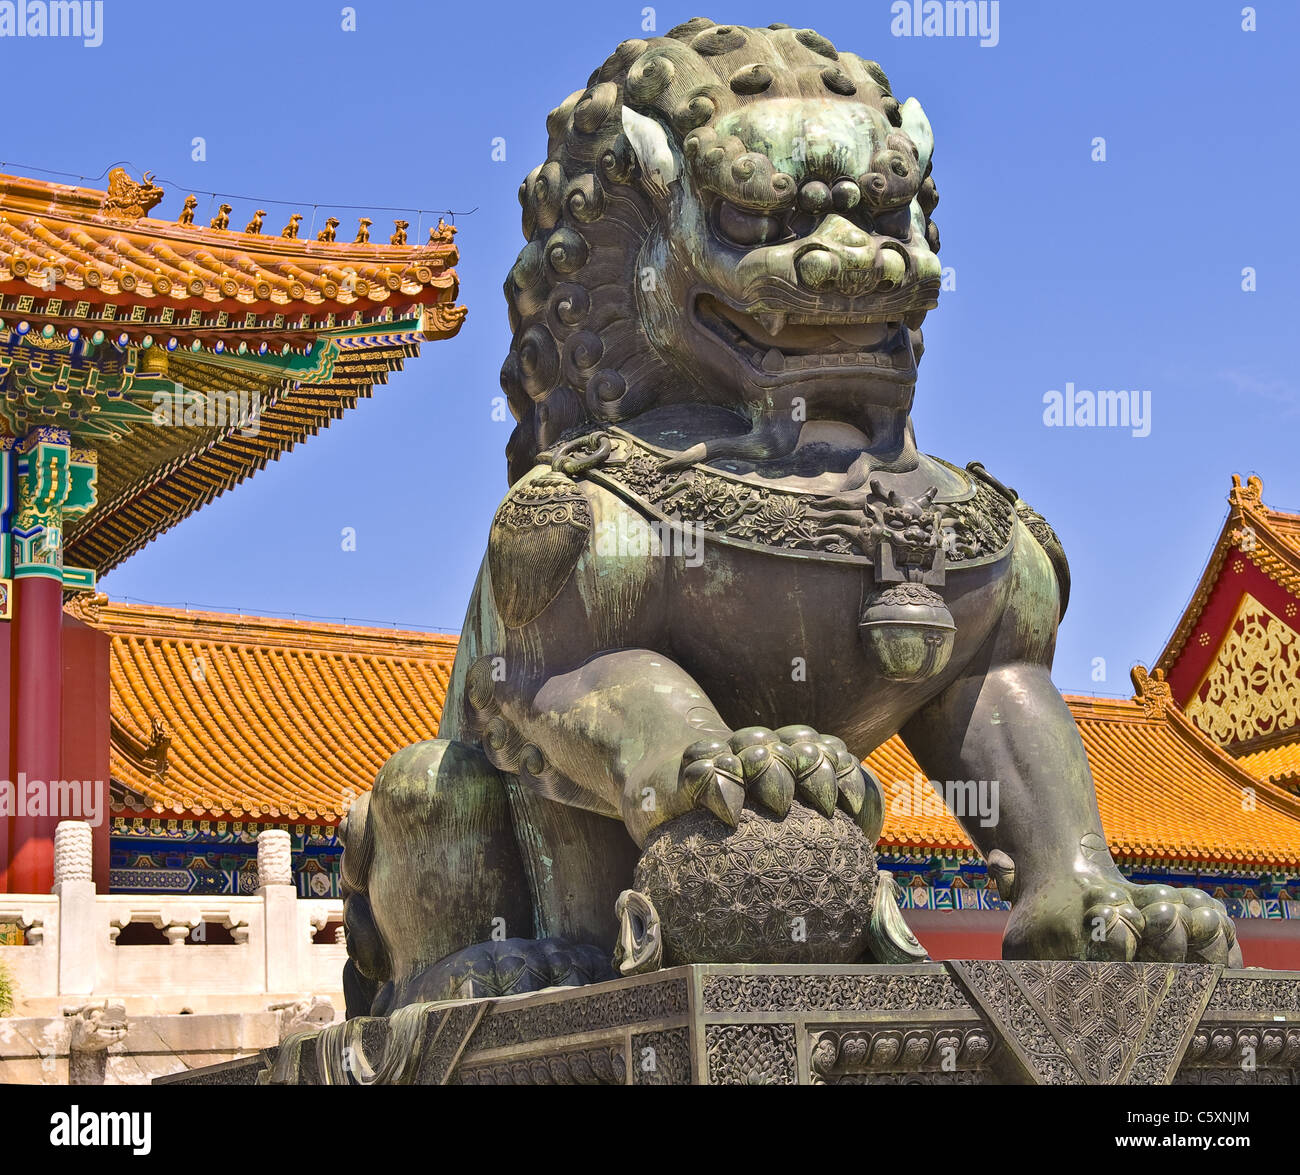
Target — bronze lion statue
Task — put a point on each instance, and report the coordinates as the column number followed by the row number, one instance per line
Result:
column 724, row 573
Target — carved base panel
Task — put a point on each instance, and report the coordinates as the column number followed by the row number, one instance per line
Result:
column 960, row 1023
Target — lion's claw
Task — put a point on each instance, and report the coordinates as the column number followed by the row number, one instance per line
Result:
column 772, row 767
column 711, row 778
column 771, row 785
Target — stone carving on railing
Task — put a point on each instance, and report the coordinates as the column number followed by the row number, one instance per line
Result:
column 263, row 953
column 73, row 851
column 317, row 919
column 274, row 858
column 95, row 1027
column 310, row 1013
column 28, row 917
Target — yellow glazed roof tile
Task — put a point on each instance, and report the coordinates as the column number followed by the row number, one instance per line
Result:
column 263, row 719
column 1280, row 762
column 98, row 244
column 287, row 720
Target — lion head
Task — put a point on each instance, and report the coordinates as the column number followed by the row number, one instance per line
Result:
column 729, row 216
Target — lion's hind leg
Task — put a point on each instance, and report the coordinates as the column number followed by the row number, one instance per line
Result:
column 430, row 867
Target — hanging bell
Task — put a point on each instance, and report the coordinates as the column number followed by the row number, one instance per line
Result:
column 907, row 629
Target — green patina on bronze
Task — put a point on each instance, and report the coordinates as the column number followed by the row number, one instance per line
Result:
column 724, row 573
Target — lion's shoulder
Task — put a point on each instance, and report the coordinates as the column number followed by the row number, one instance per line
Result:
column 538, row 533
column 547, row 523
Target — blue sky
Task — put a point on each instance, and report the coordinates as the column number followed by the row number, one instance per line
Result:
column 1118, row 274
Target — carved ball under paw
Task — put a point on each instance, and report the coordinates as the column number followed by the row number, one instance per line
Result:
column 797, row 890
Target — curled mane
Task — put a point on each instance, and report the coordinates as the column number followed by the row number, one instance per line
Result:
column 579, row 351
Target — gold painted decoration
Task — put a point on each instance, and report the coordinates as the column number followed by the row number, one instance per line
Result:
column 442, row 320
column 1151, row 690
column 1250, row 494
column 1252, row 687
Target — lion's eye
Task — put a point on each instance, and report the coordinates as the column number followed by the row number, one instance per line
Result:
column 748, row 228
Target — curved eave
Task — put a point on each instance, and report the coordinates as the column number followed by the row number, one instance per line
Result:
column 1191, row 616
column 157, row 497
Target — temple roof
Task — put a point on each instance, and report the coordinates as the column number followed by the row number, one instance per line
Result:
column 1279, row 763
column 262, row 719
column 65, row 240
column 1268, row 538
column 286, row 720
column 1233, row 661
column 185, row 356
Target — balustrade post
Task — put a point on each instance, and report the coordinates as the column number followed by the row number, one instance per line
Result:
column 280, row 899
column 74, row 883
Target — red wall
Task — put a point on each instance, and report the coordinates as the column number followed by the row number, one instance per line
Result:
column 959, row 934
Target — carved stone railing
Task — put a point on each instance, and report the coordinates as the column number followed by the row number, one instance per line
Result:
column 73, row 936
column 35, row 966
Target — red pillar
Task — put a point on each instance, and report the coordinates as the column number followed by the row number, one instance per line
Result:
column 38, row 625
column 85, row 738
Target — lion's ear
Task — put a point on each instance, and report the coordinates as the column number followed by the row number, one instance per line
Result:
column 917, row 128
column 653, row 150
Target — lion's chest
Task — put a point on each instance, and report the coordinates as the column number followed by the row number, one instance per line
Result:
column 777, row 640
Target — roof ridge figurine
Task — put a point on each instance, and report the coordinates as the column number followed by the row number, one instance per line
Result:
column 128, row 199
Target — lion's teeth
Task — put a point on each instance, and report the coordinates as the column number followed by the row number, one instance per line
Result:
column 774, row 361
column 773, row 323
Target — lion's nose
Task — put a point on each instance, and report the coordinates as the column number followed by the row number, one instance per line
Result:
column 840, row 258
column 818, row 269
column 846, row 270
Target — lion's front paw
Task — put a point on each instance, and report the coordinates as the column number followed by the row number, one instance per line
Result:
column 772, row 767
column 1159, row 923
column 1107, row 917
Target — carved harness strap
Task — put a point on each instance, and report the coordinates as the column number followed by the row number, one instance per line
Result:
column 910, row 544
column 970, row 529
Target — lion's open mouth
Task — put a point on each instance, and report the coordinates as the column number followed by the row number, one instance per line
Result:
column 774, row 343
